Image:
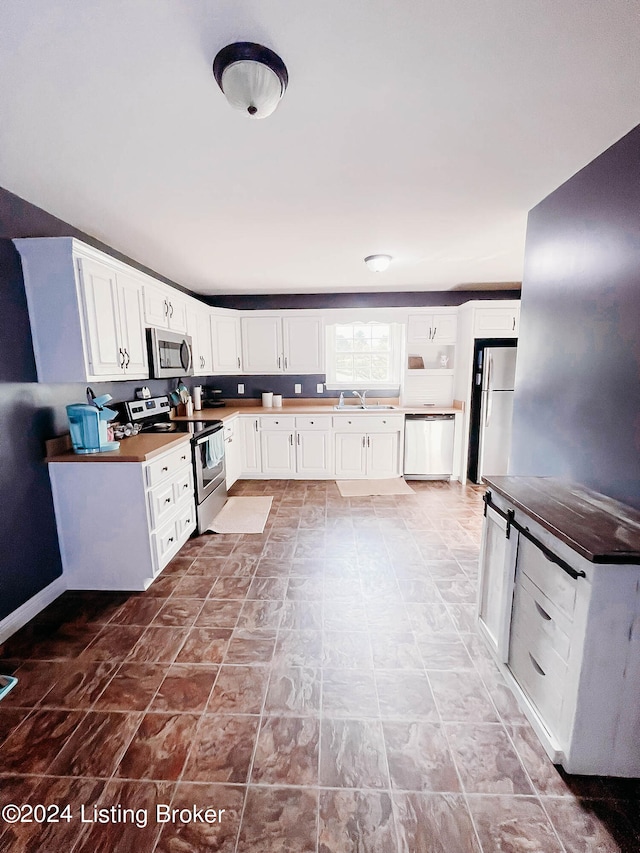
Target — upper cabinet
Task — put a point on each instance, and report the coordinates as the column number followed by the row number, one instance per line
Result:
column 86, row 312
column 165, row 307
column 432, row 328
column 199, row 329
column 497, row 322
column 276, row 344
column 225, row 343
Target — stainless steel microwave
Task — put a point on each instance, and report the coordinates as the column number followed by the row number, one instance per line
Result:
column 170, row 354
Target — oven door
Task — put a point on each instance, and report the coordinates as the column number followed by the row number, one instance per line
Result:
column 208, row 461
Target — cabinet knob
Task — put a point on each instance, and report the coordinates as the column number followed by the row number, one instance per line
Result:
column 165, row 468
column 167, row 500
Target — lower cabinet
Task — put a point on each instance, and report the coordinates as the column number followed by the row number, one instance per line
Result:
column 368, row 446
column 119, row 523
column 287, row 446
column 232, row 451
column 565, row 629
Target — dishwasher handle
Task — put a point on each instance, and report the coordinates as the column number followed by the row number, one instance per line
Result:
column 432, row 417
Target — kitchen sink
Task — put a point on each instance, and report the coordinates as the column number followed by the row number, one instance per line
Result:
column 369, row 407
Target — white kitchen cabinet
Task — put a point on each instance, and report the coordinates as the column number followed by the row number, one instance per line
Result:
column 226, row 345
column 275, row 344
column 232, row 451
column 368, row 446
column 199, row 328
column 314, row 447
column 433, row 328
column 559, row 603
column 249, row 432
column 278, row 452
column 164, row 307
column 85, row 310
column 119, row 523
column 500, row 322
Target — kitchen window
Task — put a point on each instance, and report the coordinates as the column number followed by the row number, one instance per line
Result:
column 363, row 355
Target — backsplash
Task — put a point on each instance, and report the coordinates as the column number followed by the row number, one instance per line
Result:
column 279, row 384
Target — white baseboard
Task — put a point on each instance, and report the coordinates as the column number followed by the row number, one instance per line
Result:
column 14, row 621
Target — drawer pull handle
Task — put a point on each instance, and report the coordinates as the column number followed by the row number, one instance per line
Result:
column 536, row 665
column 183, row 458
column 167, row 500
column 170, row 539
column 165, row 468
column 543, row 612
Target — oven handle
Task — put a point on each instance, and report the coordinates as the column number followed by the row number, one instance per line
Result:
column 207, row 436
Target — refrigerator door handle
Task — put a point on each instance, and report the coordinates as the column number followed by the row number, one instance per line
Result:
column 488, row 407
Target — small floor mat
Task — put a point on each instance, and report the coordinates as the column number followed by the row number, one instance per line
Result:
column 363, row 488
column 242, row 515
column 7, row 683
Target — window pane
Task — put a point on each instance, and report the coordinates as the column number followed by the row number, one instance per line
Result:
column 380, row 368
column 362, row 339
column 362, row 368
column 344, row 368
column 344, row 338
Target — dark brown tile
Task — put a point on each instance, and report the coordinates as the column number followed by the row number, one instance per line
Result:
column 186, row 687
column 222, row 749
column 69, row 641
column 461, row 696
column 595, row 826
column 419, row 757
column 114, row 642
column 251, row 647
column 35, row 680
column 513, row 824
column 205, row 645
column 279, row 820
column 159, row 748
column 260, row 615
column 438, row 823
column 230, row 587
column 33, row 745
column 10, row 719
column 405, row 694
column 352, row 754
column 218, row 834
column 267, row 588
column 139, row 832
column 179, row 612
column 96, row 745
column 132, row 687
column 486, row 761
column 219, row 614
column 138, row 611
column 193, row 586
column 349, row 693
column 298, row 648
column 356, row 822
column 287, row 751
column 239, row 690
column 302, row 615
column 294, row 691
column 158, row 645
column 305, row 588
column 79, row 684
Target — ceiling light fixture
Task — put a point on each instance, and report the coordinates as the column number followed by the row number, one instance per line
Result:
column 252, row 77
column 378, row 263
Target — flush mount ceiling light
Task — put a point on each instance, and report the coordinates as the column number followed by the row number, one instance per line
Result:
column 252, row 77
column 377, row 263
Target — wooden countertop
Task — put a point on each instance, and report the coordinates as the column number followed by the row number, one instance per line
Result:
column 227, row 412
column 599, row 528
column 136, row 448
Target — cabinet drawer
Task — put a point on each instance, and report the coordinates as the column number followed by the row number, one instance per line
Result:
column 186, row 521
column 369, row 423
column 541, row 680
column 534, row 614
column 162, row 502
column 168, row 464
column 283, row 422
column 314, row 422
column 183, row 484
column 556, row 584
column 165, row 541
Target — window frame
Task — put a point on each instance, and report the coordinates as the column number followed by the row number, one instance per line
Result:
column 396, row 331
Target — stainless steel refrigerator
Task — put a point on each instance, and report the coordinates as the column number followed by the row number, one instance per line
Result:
column 494, row 378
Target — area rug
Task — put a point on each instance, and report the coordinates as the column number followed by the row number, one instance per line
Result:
column 242, row 515
column 363, row 488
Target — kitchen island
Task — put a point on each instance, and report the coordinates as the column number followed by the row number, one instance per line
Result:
column 559, row 607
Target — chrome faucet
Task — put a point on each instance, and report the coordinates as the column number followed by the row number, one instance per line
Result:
column 361, row 397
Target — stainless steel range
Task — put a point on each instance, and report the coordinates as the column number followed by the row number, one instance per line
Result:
column 207, row 451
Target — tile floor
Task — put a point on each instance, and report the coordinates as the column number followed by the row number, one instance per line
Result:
column 322, row 683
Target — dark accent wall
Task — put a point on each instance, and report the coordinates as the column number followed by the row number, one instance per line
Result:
column 373, row 299
column 577, row 400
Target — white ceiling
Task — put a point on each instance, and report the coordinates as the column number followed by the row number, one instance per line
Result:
column 425, row 129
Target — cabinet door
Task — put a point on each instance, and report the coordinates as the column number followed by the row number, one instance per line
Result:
column 156, row 306
column 232, row 455
column 443, row 330
column 250, row 443
column 278, row 454
column 495, row 582
column 383, row 455
column 261, row 344
column 496, row 322
column 303, row 342
column 176, row 312
column 132, row 333
column 100, row 296
column 204, row 343
column 419, row 328
column 313, row 453
column 225, row 340
column 351, row 455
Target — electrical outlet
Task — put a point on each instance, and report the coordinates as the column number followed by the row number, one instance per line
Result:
column 297, row 388
column 240, row 389
column 319, row 387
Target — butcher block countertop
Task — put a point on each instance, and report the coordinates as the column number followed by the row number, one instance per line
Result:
column 135, row 448
column 597, row 527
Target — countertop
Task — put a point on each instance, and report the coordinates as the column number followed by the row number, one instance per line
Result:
column 136, row 448
column 227, row 412
column 597, row 527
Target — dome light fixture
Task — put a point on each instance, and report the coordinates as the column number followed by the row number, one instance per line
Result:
column 252, row 77
column 378, row 263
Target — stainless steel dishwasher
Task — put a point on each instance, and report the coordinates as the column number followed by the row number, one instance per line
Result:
column 428, row 447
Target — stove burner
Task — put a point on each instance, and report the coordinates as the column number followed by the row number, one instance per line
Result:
column 161, row 426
